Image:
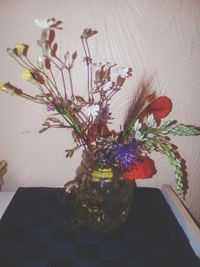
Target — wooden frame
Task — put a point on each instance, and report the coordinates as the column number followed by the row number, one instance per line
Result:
column 183, row 217
column 3, row 169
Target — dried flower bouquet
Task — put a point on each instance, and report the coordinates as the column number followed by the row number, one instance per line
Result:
column 144, row 129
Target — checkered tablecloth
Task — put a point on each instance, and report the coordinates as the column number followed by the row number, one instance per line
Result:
column 34, row 232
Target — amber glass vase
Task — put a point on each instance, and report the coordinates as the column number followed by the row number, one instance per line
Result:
column 102, row 198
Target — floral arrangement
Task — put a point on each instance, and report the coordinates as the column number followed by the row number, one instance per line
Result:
column 144, row 130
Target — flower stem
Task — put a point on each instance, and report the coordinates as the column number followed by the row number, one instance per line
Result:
column 71, row 83
column 88, row 72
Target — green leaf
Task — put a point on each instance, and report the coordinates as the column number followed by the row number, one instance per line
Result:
column 184, row 130
column 160, row 145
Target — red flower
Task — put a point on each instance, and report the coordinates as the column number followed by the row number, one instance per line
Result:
column 160, row 107
column 141, row 170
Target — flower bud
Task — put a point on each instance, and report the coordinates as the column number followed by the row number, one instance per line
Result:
column 10, row 52
column 20, row 49
column 27, row 75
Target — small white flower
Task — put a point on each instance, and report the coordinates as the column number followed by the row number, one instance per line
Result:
column 8, row 91
column 124, row 72
column 68, row 59
column 90, row 110
column 151, row 121
column 138, row 136
column 44, row 23
column 119, row 71
column 165, row 123
column 150, row 135
column 107, row 86
column 40, row 62
column 137, row 125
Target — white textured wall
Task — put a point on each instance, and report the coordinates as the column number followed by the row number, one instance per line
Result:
column 157, row 36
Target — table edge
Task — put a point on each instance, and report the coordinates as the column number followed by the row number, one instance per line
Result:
column 183, row 217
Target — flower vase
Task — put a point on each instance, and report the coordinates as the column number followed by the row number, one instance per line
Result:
column 102, row 199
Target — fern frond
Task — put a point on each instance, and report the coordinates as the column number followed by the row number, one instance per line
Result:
column 184, row 130
column 161, row 145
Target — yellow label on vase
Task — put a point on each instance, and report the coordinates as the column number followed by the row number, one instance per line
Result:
column 105, row 173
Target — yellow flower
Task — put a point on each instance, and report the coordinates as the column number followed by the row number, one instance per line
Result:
column 6, row 89
column 1, row 86
column 26, row 75
column 20, row 48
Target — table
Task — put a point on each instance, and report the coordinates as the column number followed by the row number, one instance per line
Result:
column 34, row 233
column 5, row 198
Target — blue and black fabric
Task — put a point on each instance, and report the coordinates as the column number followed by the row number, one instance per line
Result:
column 35, row 232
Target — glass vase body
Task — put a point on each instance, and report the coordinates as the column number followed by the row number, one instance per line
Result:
column 102, row 198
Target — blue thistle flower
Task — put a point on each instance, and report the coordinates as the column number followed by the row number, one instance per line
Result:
column 127, row 153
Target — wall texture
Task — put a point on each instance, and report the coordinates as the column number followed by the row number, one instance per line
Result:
column 160, row 37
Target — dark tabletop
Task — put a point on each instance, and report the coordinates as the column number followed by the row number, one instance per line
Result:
column 34, row 232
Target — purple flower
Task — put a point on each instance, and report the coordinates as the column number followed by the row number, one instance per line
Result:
column 51, row 105
column 127, row 153
column 104, row 113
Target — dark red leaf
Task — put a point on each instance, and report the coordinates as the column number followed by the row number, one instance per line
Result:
column 69, row 153
column 15, row 51
column 103, row 130
column 51, row 36
column 88, row 33
column 25, row 50
column 47, row 63
column 80, row 99
column 101, row 74
column 74, row 55
column 55, row 25
column 15, row 89
column 92, row 133
column 54, row 49
column 43, row 129
column 120, row 81
column 38, row 77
